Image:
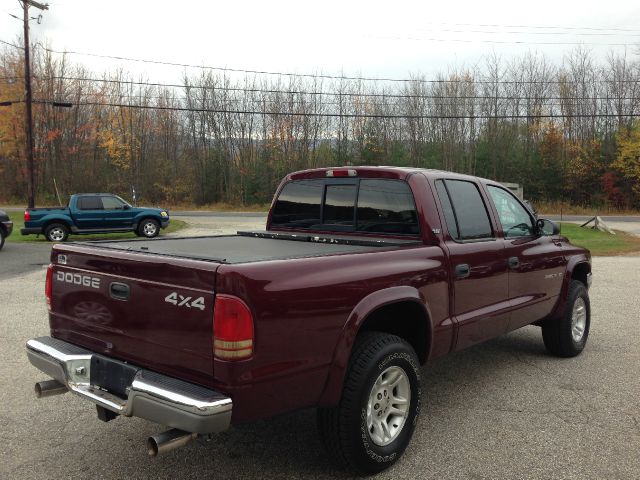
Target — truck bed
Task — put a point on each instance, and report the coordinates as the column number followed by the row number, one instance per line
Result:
column 252, row 246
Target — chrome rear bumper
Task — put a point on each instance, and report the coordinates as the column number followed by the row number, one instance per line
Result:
column 150, row 395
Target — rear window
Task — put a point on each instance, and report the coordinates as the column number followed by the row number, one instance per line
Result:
column 339, row 205
column 298, row 205
column 386, row 206
column 367, row 205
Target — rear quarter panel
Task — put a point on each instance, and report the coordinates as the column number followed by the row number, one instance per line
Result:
column 39, row 218
column 301, row 312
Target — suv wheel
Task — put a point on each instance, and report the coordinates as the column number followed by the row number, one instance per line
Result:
column 56, row 232
column 373, row 423
column 567, row 336
column 149, row 228
column 1, row 238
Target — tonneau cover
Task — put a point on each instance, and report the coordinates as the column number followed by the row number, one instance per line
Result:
column 252, row 246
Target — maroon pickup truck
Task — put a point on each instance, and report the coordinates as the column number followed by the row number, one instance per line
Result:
column 362, row 275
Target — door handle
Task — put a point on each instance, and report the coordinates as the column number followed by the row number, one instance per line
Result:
column 119, row 291
column 514, row 262
column 462, row 270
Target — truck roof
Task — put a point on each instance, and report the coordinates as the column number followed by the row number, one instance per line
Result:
column 84, row 194
column 400, row 173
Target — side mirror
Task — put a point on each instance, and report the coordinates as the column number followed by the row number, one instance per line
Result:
column 547, row 227
column 126, row 207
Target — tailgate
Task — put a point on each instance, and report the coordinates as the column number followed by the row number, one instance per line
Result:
column 154, row 312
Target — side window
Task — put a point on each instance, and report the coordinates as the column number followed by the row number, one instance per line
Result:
column 112, row 203
column 298, row 205
column 469, row 211
column 386, row 206
column 515, row 220
column 89, row 203
column 449, row 214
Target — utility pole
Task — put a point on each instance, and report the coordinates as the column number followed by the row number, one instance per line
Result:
column 28, row 101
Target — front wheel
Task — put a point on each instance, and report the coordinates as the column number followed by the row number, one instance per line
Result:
column 373, row 423
column 56, row 232
column 149, row 228
column 567, row 336
column 1, row 238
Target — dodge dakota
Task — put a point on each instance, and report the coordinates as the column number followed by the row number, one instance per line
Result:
column 94, row 213
column 362, row 275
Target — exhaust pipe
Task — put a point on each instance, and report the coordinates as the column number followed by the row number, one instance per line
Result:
column 169, row 440
column 48, row 388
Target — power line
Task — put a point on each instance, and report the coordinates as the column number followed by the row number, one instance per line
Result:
column 344, row 115
column 342, row 94
column 548, row 27
column 520, row 32
column 502, row 42
column 518, row 103
column 295, row 75
column 11, row 44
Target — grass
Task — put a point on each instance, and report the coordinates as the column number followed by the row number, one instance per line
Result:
column 555, row 207
column 222, row 207
column 18, row 223
column 601, row 243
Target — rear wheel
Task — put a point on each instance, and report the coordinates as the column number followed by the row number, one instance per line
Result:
column 373, row 423
column 56, row 232
column 567, row 336
column 149, row 228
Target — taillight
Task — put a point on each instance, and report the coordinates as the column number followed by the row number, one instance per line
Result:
column 27, row 215
column 48, row 285
column 232, row 329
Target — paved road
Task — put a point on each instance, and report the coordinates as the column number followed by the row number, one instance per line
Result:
column 606, row 218
column 20, row 258
column 503, row 409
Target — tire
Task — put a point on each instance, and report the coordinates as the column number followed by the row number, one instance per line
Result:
column 56, row 232
column 149, row 228
column 567, row 336
column 345, row 430
column 1, row 238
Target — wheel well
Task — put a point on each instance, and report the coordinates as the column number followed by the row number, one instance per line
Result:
column 147, row 217
column 407, row 320
column 51, row 222
column 580, row 272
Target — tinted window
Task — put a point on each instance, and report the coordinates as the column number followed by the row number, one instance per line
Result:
column 383, row 206
column 298, row 205
column 514, row 218
column 89, row 203
column 449, row 215
column 112, row 203
column 386, row 206
column 339, row 202
column 470, row 211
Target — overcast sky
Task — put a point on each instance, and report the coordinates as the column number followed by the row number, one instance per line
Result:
column 394, row 38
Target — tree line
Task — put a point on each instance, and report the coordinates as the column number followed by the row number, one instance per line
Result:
column 567, row 131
